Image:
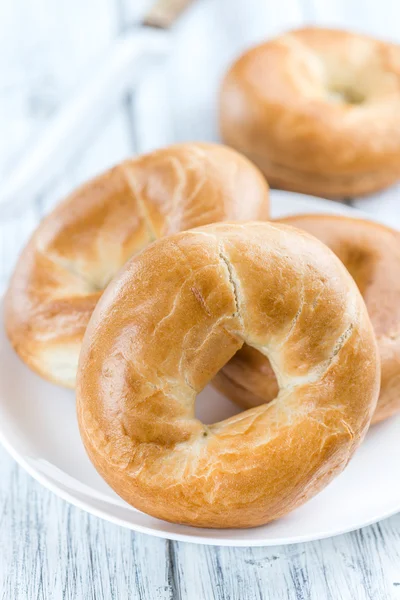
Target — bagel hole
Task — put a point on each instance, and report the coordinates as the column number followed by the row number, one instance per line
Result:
column 248, row 379
column 212, row 406
column 345, row 95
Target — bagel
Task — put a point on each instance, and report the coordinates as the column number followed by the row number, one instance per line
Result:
column 371, row 253
column 318, row 110
column 79, row 247
column 177, row 312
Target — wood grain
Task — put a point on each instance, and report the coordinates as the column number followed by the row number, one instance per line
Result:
column 49, row 549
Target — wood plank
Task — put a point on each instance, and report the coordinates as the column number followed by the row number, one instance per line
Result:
column 49, row 549
column 57, row 43
column 353, row 566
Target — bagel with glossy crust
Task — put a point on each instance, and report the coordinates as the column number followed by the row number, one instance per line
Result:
column 79, row 247
column 318, row 110
column 172, row 318
column 371, row 253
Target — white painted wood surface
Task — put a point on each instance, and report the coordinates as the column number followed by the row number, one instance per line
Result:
column 48, row 549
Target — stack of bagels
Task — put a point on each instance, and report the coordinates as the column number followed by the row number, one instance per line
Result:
column 166, row 273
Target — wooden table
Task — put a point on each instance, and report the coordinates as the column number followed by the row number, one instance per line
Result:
column 49, row 549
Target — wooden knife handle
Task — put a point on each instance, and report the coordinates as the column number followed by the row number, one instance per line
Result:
column 165, row 12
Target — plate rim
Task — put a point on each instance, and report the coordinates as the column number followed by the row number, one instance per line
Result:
column 183, row 537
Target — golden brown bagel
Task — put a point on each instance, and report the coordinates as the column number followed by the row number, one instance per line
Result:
column 371, row 253
column 171, row 319
column 318, row 110
column 80, row 246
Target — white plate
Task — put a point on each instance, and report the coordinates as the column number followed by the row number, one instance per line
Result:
column 39, row 429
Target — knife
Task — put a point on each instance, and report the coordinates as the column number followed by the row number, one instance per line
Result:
column 67, row 131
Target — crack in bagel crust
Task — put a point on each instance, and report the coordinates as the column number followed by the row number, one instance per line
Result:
column 137, row 381
column 371, row 253
column 234, row 283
